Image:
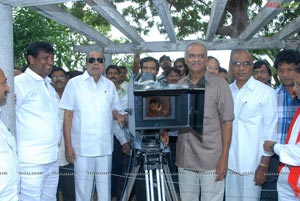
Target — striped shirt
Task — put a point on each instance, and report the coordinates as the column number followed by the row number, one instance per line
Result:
column 287, row 107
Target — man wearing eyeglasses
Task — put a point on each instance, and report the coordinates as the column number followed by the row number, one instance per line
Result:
column 285, row 62
column 66, row 184
column 288, row 153
column 255, row 111
column 262, row 72
column 91, row 103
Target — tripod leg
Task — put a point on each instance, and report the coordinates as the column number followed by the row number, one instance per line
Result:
column 159, row 186
column 130, row 183
column 170, row 183
column 151, row 185
column 147, row 184
column 162, row 184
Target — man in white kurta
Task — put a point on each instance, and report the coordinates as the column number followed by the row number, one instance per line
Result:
column 255, row 111
column 9, row 175
column 288, row 183
column 37, row 124
column 90, row 102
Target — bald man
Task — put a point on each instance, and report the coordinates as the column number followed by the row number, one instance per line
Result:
column 91, row 103
column 9, row 176
column 255, row 111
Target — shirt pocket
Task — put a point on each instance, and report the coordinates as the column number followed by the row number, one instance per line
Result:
column 250, row 111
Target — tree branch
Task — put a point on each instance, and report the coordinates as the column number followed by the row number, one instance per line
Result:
column 225, row 31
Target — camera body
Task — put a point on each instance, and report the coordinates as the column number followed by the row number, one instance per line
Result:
column 162, row 106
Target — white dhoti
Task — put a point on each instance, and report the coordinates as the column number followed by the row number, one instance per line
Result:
column 38, row 182
column 241, row 188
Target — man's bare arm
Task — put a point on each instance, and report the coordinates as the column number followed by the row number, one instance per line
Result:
column 70, row 154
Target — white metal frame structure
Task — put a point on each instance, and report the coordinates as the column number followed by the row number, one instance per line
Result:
column 49, row 8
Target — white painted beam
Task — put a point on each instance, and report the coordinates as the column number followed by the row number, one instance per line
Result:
column 107, row 11
column 23, row 3
column 289, row 29
column 167, row 46
column 265, row 15
column 165, row 16
column 215, row 18
column 66, row 19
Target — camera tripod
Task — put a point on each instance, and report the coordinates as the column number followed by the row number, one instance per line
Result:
column 153, row 160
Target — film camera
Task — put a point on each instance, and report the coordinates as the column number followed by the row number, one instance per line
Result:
column 161, row 106
column 153, row 107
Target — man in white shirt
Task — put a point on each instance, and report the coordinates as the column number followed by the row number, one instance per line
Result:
column 122, row 79
column 289, row 154
column 9, row 176
column 66, row 183
column 91, row 103
column 255, row 111
column 121, row 144
column 38, row 125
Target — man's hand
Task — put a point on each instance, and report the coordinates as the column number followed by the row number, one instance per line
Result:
column 260, row 175
column 164, row 137
column 121, row 120
column 70, row 154
column 126, row 148
column 221, row 168
column 268, row 145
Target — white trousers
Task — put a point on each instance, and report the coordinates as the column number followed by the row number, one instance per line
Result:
column 38, row 182
column 190, row 183
column 241, row 188
column 285, row 191
column 90, row 171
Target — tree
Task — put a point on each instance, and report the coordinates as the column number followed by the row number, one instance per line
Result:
column 30, row 26
column 191, row 17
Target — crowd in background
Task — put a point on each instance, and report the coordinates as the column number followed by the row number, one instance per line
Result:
column 70, row 142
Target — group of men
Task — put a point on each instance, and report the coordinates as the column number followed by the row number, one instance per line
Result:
column 244, row 124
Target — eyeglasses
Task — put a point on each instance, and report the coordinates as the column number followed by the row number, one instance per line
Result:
column 296, row 85
column 93, row 60
column 58, row 77
column 262, row 72
column 246, row 64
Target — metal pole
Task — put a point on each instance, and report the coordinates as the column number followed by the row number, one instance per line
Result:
column 7, row 63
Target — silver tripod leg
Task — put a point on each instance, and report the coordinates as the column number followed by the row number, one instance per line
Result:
column 130, row 182
column 147, row 184
column 162, row 184
column 151, row 185
column 159, row 184
column 170, row 187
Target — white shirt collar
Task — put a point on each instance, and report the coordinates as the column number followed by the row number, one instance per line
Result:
column 250, row 84
column 35, row 76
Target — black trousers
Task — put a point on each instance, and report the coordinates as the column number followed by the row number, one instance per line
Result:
column 66, row 183
column 269, row 188
column 119, row 167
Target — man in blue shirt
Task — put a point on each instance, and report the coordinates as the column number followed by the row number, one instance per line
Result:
column 285, row 63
